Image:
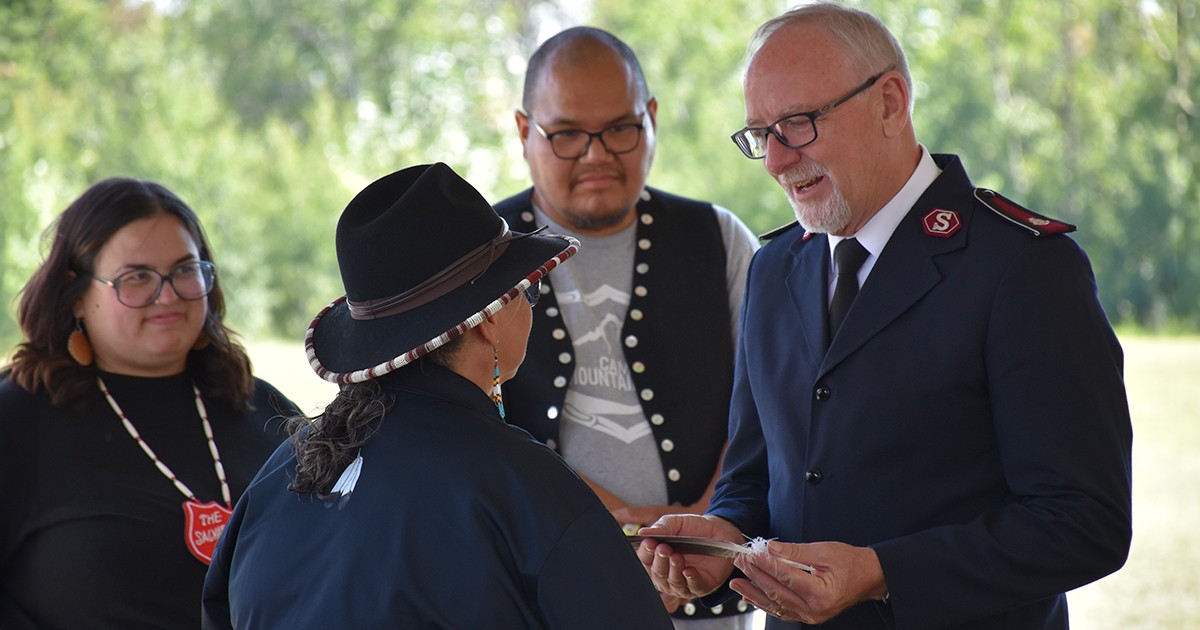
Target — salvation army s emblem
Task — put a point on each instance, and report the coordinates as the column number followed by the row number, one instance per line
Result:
column 943, row 223
column 203, row 526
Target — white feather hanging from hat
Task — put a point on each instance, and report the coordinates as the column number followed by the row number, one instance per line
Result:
column 345, row 484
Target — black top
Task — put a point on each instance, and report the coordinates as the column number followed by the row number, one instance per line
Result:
column 457, row 520
column 91, row 533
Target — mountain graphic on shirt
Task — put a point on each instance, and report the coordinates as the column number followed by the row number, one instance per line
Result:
column 596, row 417
column 600, row 332
column 601, row 295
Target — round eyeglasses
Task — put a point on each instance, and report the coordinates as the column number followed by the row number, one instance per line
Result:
column 794, row 130
column 571, row 144
column 139, row 288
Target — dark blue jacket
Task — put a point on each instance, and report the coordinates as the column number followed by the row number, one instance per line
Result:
column 458, row 520
column 968, row 422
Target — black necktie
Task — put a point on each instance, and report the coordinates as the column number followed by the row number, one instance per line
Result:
column 850, row 255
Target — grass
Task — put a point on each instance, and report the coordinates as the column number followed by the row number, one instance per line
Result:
column 1159, row 587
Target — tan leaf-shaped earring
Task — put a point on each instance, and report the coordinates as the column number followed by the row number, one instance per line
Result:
column 78, row 345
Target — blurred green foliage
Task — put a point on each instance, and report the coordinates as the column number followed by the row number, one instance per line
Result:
column 267, row 117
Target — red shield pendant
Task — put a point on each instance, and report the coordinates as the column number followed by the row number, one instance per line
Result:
column 204, row 524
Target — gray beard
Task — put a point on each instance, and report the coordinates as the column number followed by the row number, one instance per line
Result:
column 829, row 217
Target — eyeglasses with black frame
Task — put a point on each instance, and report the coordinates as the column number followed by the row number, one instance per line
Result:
column 571, row 144
column 794, row 130
column 139, row 288
column 533, row 292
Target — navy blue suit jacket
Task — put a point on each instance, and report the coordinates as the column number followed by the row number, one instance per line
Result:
column 458, row 520
column 968, row 422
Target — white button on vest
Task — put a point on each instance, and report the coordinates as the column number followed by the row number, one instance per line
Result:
column 638, row 367
column 673, row 474
column 631, row 341
column 657, row 419
column 560, row 381
column 564, row 358
column 668, row 446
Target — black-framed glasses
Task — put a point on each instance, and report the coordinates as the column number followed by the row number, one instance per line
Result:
column 533, row 292
column 794, row 130
column 139, row 288
column 571, row 144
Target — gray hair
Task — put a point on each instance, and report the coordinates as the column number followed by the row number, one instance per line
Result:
column 868, row 45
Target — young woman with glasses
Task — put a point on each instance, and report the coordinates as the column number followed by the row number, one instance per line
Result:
column 129, row 419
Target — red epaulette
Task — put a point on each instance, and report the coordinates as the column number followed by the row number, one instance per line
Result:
column 1037, row 224
column 766, row 236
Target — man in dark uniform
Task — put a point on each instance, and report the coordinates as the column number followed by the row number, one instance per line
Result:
column 956, row 453
column 630, row 361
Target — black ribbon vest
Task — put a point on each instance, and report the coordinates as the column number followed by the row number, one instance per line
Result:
column 676, row 339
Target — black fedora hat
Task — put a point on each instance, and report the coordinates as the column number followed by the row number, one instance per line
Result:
column 423, row 258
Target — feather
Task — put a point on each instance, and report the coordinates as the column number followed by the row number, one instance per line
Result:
column 345, row 484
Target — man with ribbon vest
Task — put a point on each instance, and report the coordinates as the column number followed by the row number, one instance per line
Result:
column 630, row 361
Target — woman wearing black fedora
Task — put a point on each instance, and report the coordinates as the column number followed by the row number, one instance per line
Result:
column 410, row 503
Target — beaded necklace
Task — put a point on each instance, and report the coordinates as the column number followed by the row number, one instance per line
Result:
column 204, row 521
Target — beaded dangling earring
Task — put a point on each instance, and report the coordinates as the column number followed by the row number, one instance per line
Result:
column 496, row 397
column 78, row 345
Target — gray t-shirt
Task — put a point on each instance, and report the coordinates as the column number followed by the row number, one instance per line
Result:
column 604, row 435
